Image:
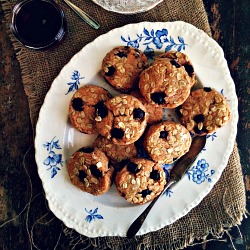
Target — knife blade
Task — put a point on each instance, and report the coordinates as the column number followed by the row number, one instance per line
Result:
column 179, row 169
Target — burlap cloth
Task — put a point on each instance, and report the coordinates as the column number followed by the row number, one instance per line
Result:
column 225, row 205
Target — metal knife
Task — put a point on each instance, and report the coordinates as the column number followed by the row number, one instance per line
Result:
column 179, row 169
column 83, row 15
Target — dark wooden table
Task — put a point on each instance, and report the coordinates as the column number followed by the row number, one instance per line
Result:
column 23, row 209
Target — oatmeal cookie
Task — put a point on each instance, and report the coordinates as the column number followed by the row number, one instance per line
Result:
column 140, row 180
column 155, row 113
column 116, row 153
column 167, row 141
column 82, row 107
column 204, row 111
column 90, row 171
column 179, row 59
column 121, row 119
column 165, row 84
column 121, row 67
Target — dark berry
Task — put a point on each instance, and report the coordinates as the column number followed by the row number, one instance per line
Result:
column 155, row 175
column 95, row 171
column 123, row 163
column 204, row 130
column 77, row 104
column 86, row 150
column 163, row 134
column 189, row 68
column 199, row 118
column 145, row 192
column 207, row 89
column 174, row 63
column 101, row 109
column 158, row 97
column 117, row 133
column 178, row 111
column 121, row 54
column 138, row 114
column 82, row 175
column 111, row 71
column 132, row 167
column 109, row 165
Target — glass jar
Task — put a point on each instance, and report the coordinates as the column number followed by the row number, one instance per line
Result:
column 38, row 24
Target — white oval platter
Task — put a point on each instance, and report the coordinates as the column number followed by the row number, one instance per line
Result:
column 56, row 139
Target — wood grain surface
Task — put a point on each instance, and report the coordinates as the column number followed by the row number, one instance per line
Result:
column 23, row 209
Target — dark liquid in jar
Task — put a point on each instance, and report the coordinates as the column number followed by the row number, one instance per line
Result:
column 38, row 22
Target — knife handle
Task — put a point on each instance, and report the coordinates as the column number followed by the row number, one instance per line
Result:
column 136, row 225
column 83, row 15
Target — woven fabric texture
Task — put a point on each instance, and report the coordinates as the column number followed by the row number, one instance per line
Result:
column 225, row 205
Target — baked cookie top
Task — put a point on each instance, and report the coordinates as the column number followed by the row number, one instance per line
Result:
column 116, row 153
column 204, row 111
column 179, row 59
column 90, row 171
column 140, row 180
column 121, row 67
column 83, row 105
column 167, row 141
column 165, row 84
column 121, row 119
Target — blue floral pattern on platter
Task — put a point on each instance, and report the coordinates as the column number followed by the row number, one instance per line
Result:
column 168, row 192
column 158, row 38
column 200, row 173
column 212, row 136
column 76, row 81
column 167, row 169
column 53, row 161
column 93, row 215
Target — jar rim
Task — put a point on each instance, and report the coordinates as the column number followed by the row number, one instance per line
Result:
column 43, row 45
